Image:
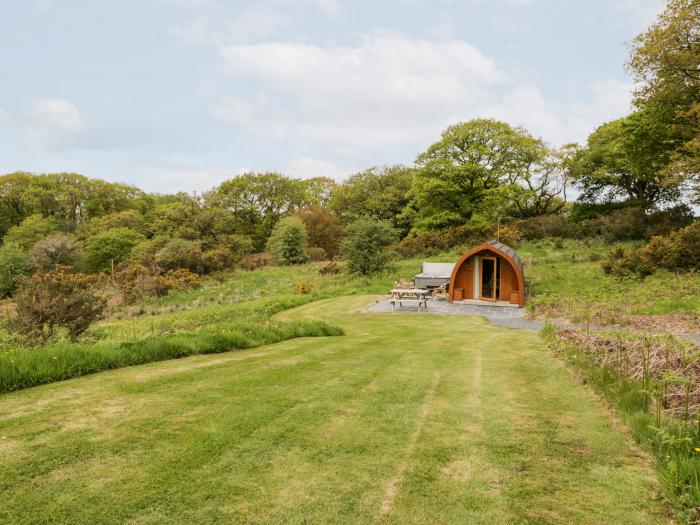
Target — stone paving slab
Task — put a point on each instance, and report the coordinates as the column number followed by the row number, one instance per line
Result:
column 508, row 316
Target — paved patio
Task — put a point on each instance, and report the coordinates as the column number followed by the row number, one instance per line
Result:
column 499, row 314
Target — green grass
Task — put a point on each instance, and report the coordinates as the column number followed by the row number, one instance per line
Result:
column 567, row 282
column 405, row 419
column 671, row 438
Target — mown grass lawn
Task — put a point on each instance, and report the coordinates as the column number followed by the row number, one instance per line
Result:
column 408, row 418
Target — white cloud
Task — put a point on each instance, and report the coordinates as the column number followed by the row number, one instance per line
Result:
column 172, row 180
column 387, row 90
column 307, row 168
column 607, row 100
column 643, row 12
column 390, row 91
column 56, row 118
column 4, row 115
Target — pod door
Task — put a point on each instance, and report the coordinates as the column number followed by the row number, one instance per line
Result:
column 489, row 279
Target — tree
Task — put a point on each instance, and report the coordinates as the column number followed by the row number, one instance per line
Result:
column 13, row 204
column 324, row 228
column 319, row 190
column 378, row 193
column 625, row 160
column 107, row 249
column 30, row 230
column 289, row 242
column 666, row 63
column 364, row 247
column 462, row 176
column 132, row 219
column 53, row 251
column 258, row 201
column 13, row 264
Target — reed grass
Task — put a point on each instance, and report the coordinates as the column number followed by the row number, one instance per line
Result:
column 23, row 368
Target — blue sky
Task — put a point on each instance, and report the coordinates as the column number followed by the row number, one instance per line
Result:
column 175, row 95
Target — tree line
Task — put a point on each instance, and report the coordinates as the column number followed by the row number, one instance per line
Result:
column 644, row 167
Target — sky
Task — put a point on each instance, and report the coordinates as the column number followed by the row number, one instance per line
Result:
column 179, row 95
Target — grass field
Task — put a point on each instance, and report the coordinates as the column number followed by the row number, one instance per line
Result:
column 442, row 420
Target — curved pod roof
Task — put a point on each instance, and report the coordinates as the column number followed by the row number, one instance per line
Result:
column 507, row 253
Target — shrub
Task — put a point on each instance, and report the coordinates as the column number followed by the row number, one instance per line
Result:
column 217, row 259
column 679, row 251
column 53, row 251
column 331, row 268
column 288, row 242
column 30, row 230
column 305, row 287
column 543, row 226
column 181, row 253
column 179, row 279
column 509, row 235
column 13, row 264
column 107, row 249
column 59, row 298
column 433, row 242
column 627, row 263
column 364, row 248
column 137, row 281
column 316, row 254
column 255, row 261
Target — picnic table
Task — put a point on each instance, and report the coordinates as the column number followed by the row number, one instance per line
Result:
column 409, row 295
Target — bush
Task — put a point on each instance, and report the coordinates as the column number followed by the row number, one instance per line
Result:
column 305, row 287
column 53, row 251
column 181, row 253
column 13, row 264
column 544, row 226
column 509, row 235
column 679, row 251
column 47, row 301
column 364, row 248
column 317, row 254
column 179, row 279
column 331, row 268
column 255, row 261
column 434, row 242
column 106, row 250
column 627, row 263
column 288, row 242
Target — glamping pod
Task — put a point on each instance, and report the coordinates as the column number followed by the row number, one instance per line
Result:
column 490, row 272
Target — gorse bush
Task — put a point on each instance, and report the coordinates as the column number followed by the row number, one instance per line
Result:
column 56, row 299
column 288, row 242
column 678, row 252
column 627, row 263
column 137, row 281
column 365, row 246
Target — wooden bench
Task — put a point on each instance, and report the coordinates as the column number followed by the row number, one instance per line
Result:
column 409, row 295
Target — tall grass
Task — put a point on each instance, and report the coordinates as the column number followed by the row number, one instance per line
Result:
column 24, row 368
column 673, row 438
